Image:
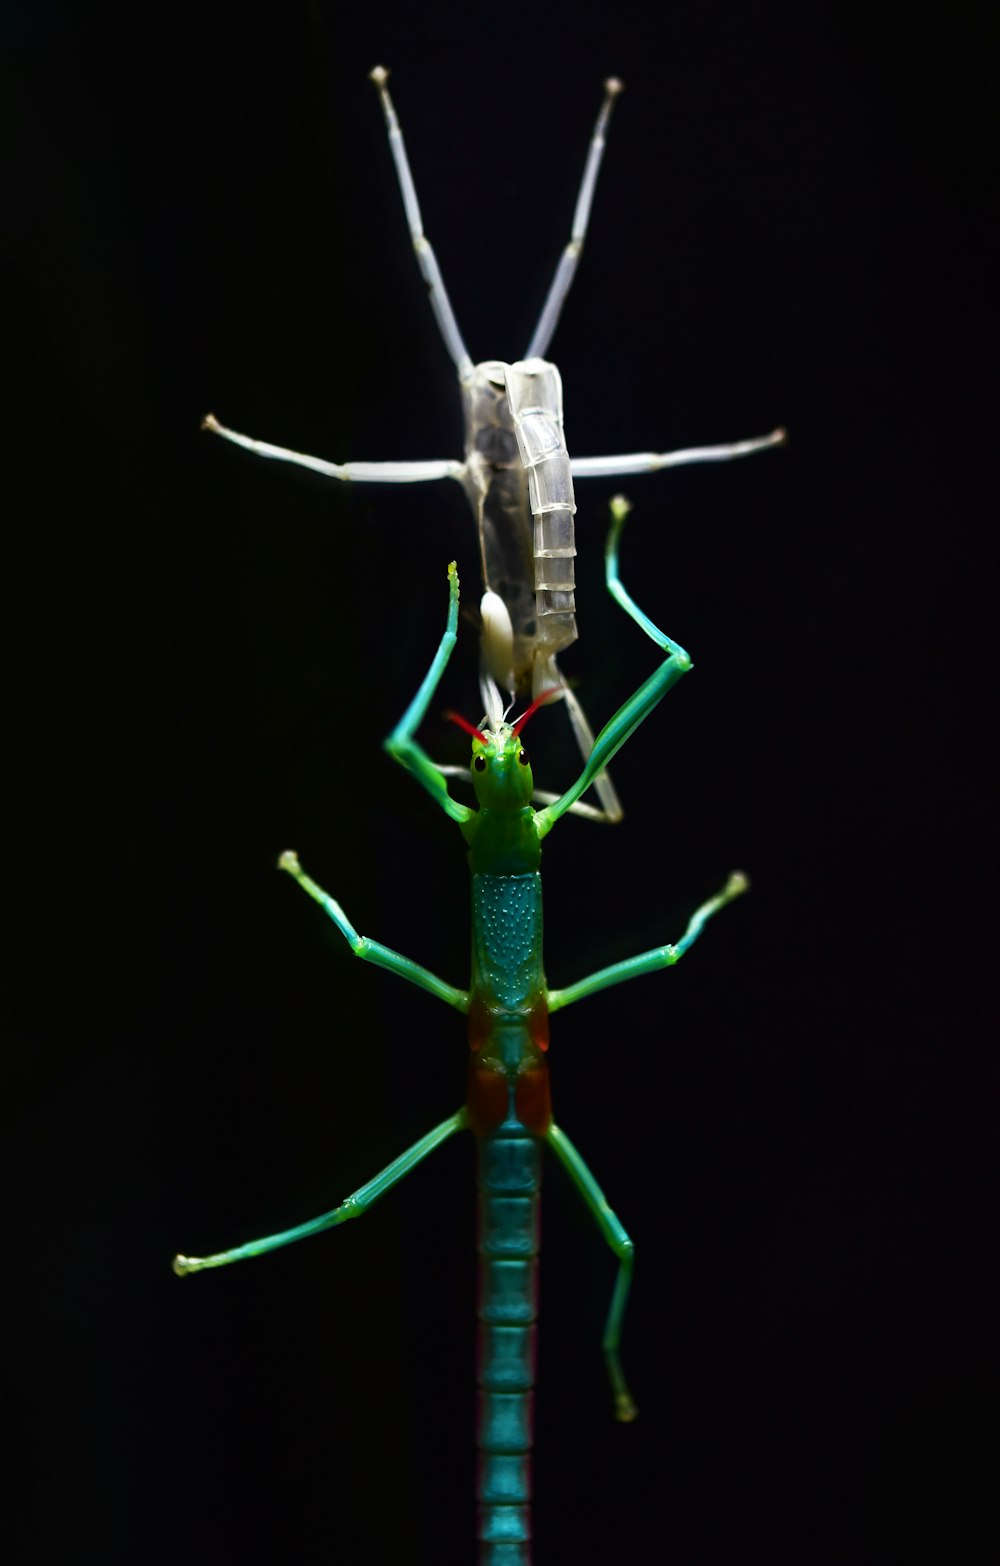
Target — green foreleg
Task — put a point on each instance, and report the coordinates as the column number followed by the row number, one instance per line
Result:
column 638, row 707
column 353, row 1207
column 623, row 1248
column 620, row 508
column 659, row 957
column 373, row 951
column 402, row 746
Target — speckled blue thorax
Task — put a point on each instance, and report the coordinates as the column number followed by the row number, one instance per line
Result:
column 507, row 939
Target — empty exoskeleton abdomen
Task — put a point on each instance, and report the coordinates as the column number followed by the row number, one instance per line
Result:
column 520, row 485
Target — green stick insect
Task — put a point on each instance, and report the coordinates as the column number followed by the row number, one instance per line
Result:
column 508, row 1105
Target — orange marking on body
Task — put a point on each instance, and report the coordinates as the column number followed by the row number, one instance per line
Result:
column 533, row 1099
column 487, row 1097
column 538, row 1024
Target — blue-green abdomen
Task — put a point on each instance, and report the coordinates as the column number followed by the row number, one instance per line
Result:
column 509, row 1174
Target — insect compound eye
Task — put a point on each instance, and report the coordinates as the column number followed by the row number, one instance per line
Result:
column 479, row 762
column 522, row 757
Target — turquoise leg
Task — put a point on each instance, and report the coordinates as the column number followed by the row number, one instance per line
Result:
column 638, row 707
column 622, row 1247
column 402, row 746
column 353, row 1207
column 373, row 951
column 620, row 508
column 659, row 957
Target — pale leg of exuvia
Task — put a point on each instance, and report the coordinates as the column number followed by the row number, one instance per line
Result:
column 439, row 468
column 348, row 472
column 449, row 467
column 610, row 810
column 384, row 472
column 655, row 461
column 569, row 260
column 426, row 259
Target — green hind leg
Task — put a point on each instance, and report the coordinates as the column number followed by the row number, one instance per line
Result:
column 623, row 1248
column 638, row 707
column 659, row 957
column 355, row 1205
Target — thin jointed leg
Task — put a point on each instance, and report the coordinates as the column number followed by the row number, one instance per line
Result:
column 566, row 270
column 426, row 259
column 639, row 705
column 611, row 806
column 355, row 1205
column 347, row 472
column 373, row 951
column 656, row 461
column 652, row 961
column 402, row 746
column 623, row 1248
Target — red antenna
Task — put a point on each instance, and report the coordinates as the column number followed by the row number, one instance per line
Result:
column 539, row 701
column 470, row 728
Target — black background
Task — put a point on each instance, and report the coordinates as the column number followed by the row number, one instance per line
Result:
column 798, row 1125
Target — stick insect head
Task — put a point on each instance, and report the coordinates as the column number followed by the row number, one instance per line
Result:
column 501, row 772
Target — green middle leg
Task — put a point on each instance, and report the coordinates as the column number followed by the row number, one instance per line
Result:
column 659, row 957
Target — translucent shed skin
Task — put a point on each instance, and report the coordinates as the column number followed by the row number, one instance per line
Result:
column 517, row 471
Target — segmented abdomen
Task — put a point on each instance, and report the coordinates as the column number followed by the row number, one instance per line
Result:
column 508, row 1178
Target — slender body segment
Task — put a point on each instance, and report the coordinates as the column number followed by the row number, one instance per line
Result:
column 517, row 471
column 508, row 1107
